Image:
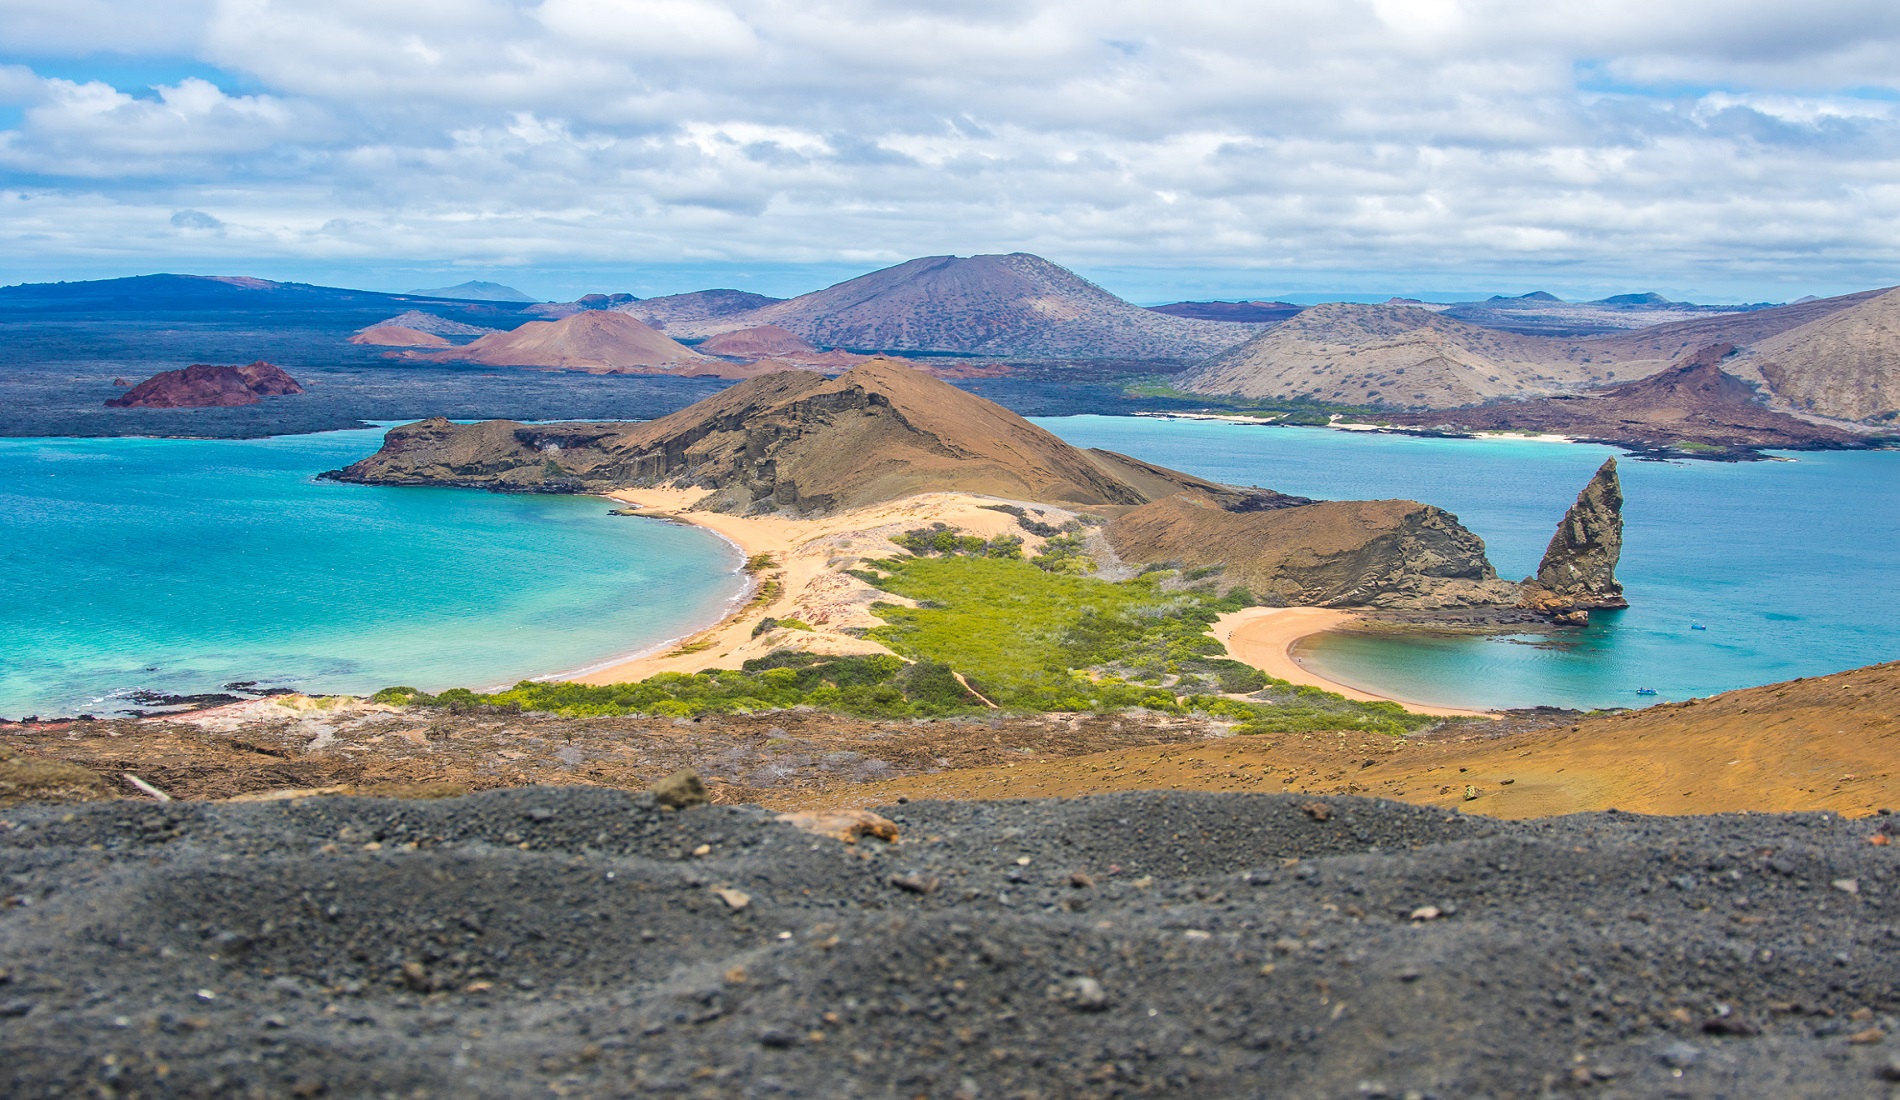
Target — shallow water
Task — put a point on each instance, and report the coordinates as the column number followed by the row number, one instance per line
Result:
column 1791, row 566
column 179, row 565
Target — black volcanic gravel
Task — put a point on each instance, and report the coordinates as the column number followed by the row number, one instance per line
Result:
column 570, row 942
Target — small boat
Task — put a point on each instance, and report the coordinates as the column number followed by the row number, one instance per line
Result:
column 1697, row 626
column 1645, row 691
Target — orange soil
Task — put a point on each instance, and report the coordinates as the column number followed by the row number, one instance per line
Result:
column 1820, row 744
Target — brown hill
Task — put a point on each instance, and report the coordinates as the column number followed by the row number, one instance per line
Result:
column 1017, row 306
column 1337, row 553
column 791, row 439
column 1694, row 403
column 201, row 386
column 758, row 343
column 596, row 340
column 1410, row 358
column 700, row 305
column 395, row 336
column 1352, row 354
column 1845, row 364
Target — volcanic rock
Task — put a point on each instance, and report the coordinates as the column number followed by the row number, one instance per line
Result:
column 1396, row 554
column 201, row 386
column 1578, row 572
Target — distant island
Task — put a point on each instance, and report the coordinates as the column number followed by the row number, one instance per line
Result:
column 202, row 386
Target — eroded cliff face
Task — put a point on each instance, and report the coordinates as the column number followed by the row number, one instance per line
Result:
column 1390, row 554
column 1578, row 573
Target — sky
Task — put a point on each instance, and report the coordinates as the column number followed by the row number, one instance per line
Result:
column 1714, row 151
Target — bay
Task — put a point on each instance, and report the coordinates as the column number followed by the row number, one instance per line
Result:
column 1790, row 566
column 176, row 566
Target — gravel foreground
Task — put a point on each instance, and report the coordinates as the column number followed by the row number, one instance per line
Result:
column 587, row 942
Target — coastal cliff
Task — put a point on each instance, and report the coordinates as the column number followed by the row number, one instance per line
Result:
column 1388, row 554
column 1578, row 571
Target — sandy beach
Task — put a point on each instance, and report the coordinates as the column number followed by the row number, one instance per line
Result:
column 1264, row 638
column 805, row 581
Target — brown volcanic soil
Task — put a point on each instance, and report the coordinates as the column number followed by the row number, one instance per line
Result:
column 1341, row 553
column 699, row 305
column 201, row 386
column 1830, row 743
column 1695, row 402
column 594, row 340
column 1823, row 744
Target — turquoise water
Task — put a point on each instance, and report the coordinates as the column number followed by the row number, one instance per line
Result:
column 179, row 565
column 1793, row 567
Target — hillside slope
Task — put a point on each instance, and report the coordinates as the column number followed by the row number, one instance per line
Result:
column 791, row 439
column 1696, row 402
column 597, row 340
column 1017, row 306
column 1845, row 364
column 1348, row 353
column 699, row 305
column 1406, row 357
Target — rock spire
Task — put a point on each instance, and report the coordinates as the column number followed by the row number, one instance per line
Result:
column 1578, row 573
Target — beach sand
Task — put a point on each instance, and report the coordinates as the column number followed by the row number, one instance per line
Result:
column 806, row 581
column 1264, row 637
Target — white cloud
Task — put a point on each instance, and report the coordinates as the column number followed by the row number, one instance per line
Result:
column 1416, row 136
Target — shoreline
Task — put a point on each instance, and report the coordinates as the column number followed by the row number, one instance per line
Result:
column 806, row 582
column 1264, row 637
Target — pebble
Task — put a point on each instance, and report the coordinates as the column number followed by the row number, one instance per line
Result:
column 1679, row 1055
column 736, row 899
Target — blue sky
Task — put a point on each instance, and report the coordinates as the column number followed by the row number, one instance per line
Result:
column 1726, row 151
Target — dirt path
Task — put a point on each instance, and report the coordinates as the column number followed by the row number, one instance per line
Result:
column 1264, row 638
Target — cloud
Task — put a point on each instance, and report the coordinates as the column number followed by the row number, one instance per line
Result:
column 1678, row 142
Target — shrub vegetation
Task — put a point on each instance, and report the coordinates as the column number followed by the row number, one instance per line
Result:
column 1029, row 635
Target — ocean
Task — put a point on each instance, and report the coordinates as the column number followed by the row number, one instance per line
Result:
column 177, row 566
column 1792, row 568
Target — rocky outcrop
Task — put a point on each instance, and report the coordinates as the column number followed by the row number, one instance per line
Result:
column 1390, row 554
column 201, row 386
column 1578, row 573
